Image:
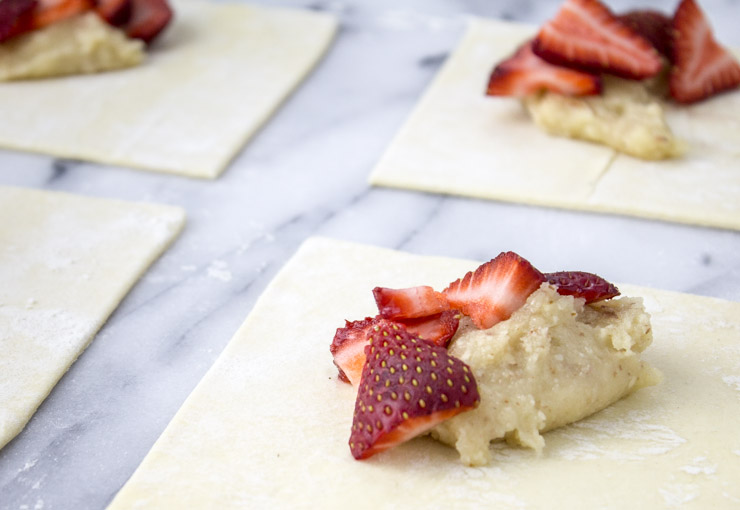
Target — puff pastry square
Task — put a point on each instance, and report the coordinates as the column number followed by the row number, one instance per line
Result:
column 66, row 262
column 268, row 426
column 214, row 78
column 461, row 142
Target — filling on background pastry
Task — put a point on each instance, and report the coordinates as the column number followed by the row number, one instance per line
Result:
column 602, row 77
column 504, row 353
column 45, row 38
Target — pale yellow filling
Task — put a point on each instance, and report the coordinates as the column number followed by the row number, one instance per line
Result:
column 82, row 44
column 555, row 361
column 626, row 117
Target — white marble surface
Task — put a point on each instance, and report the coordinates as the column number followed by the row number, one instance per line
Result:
column 305, row 174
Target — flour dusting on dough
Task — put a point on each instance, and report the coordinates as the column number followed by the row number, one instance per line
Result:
column 732, row 381
column 634, row 437
column 40, row 325
column 700, row 466
column 43, row 334
column 676, row 494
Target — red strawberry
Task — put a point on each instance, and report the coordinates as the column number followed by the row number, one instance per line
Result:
column 409, row 303
column 408, row 386
column 701, row 67
column 53, row 11
column 148, row 19
column 15, row 17
column 495, row 290
column 438, row 329
column 348, row 348
column 589, row 286
column 654, row 26
column 584, row 34
column 525, row 73
column 115, row 12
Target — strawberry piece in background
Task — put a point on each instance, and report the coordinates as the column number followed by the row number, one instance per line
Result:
column 148, row 19
column 701, row 67
column 654, row 26
column 495, row 290
column 584, row 285
column 586, row 35
column 525, row 73
column 437, row 329
column 53, row 11
column 348, row 345
column 408, row 386
column 15, row 17
column 115, row 12
column 409, row 303
column 348, row 348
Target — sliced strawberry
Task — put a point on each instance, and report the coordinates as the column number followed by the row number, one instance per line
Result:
column 409, row 303
column 115, row 12
column 525, row 73
column 654, row 26
column 589, row 286
column 53, row 11
column 438, row 329
column 15, row 17
column 148, row 19
column 408, row 386
column 701, row 67
column 348, row 348
column 495, row 290
column 584, row 34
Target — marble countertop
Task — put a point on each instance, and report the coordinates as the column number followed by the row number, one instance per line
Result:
column 306, row 174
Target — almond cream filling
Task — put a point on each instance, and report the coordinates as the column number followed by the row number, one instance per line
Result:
column 626, row 117
column 555, row 361
column 82, row 44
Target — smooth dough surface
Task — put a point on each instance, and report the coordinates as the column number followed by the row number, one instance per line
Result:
column 65, row 263
column 268, row 426
column 459, row 141
column 217, row 74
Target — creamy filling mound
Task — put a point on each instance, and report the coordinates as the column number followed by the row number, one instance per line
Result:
column 553, row 362
column 81, row 44
column 626, row 117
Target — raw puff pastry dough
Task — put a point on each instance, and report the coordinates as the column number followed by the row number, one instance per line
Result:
column 218, row 73
column 268, row 425
column 461, row 142
column 65, row 264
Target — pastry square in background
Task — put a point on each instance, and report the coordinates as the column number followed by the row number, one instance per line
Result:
column 271, row 419
column 213, row 78
column 461, row 142
column 66, row 262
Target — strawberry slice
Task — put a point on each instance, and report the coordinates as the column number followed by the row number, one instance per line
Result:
column 348, row 348
column 580, row 284
column 409, row 303
column 701, row 67
column 408, row 386
column 654, row 26
column 148, row 19
column 584, row 34
column 15, row 17
column 115, row 12
column 53, row 11
column 525, row 73
column 348, row 345
column 495, row 290
column 437, row 329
